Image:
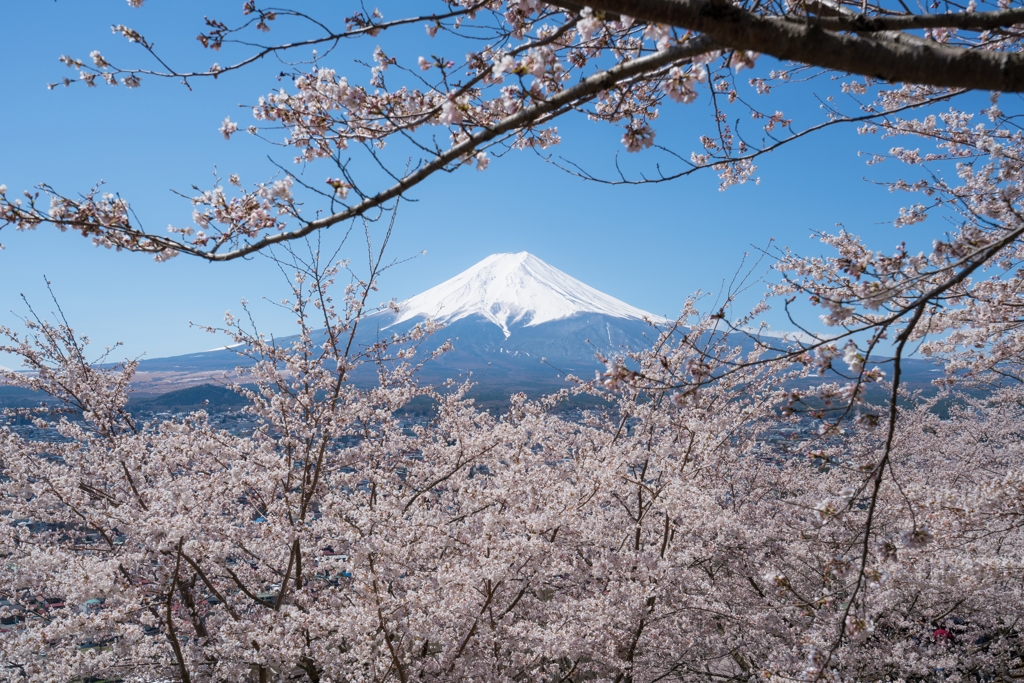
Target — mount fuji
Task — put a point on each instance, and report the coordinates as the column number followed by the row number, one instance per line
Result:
column 515, row 290
column 503, row 315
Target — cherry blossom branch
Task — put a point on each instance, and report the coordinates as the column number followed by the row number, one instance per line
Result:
column 169, row 617
column 114, row 224
column 895, row 57
column 369, row 27
column 717, row 162
column 876, row 482
column 835, row 18
column 587, row 87
column 209, row 584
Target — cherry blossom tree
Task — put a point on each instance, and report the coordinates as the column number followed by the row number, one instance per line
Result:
column 512, row 70
column 671, row 536
column 675, row 535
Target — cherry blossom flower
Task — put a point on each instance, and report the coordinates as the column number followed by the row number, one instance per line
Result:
column 228, row 128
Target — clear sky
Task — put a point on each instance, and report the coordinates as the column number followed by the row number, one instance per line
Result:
column 650, row 246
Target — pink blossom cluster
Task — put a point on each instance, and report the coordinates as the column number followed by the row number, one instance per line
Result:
column 341, row 541
column 533, row 53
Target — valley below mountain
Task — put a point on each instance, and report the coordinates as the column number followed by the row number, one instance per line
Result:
column 515, row 323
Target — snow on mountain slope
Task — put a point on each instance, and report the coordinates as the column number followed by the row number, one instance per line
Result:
column 514, row 288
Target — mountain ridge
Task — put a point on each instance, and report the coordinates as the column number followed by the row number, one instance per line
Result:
column 514, row 288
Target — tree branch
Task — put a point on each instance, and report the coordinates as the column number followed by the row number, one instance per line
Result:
column 895, row 58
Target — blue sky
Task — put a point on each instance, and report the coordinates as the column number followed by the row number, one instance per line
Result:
column 650, row 246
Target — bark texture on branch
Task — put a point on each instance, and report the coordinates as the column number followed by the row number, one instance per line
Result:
column 888, row 56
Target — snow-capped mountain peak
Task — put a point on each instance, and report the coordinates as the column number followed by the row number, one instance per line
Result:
column 514, row 288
